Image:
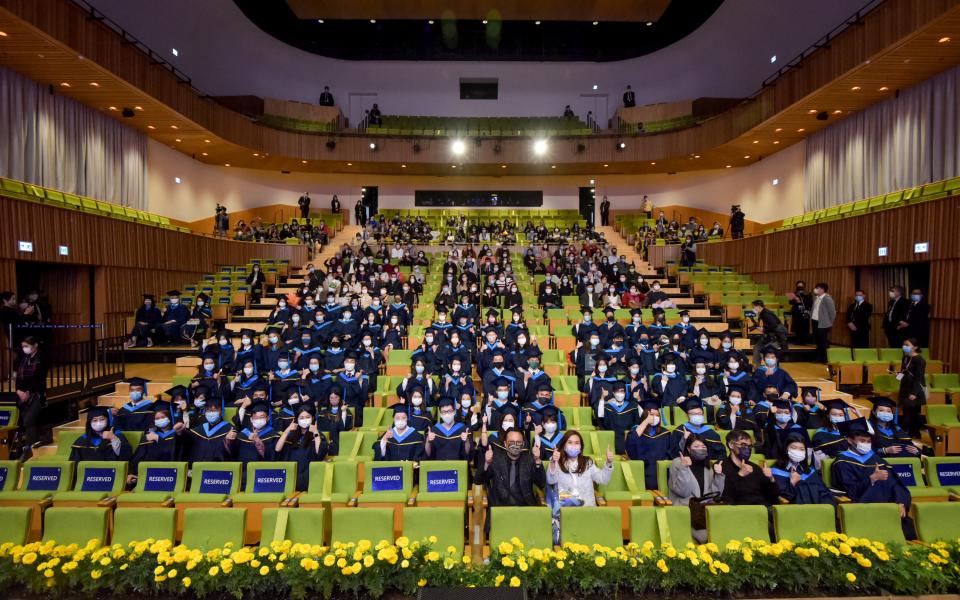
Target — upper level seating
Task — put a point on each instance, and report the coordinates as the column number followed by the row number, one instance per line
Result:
column 480, row 126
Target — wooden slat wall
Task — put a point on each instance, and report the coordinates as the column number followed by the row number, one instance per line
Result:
column 130, row 259
column 831, row 252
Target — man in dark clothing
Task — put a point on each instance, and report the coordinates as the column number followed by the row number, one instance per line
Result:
column 858, row 320
column 326, row 98
column 304, row 204
column 9, row 317
column 510, row 474
column 605, row 212
column 737, row 219
column 629, row 99
column 745, row 482
column 896, row 312
column 360, row 212
column 774, row 333
column 335, row 204
column 916, row 321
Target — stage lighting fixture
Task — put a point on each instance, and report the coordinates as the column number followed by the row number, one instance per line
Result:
column 373, row 146
column 458, row 147
column 540, row 147
column 621, row 145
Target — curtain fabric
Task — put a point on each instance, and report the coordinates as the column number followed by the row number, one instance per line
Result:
column 56, row 142
column 902, row 142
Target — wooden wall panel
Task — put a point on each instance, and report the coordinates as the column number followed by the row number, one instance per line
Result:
column 683, row 214
column 832, row 252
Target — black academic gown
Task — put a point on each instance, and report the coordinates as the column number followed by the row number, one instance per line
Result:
column 447, row 444
column 620, row 419
column 709, row 435
column 301, row 449
column 206, row 443
column 851, row 472
column 829, row 441
column 809, row 490
column 91, row 446
column 651, row 446
column 409, row 446
column 135, row 417
column 165, row 449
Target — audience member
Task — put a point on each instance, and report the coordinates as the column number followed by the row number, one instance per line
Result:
column 858, row 320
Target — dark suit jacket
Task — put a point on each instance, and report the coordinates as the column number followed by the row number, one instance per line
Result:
column 918, row 319
column 597, row 300
column 496, row 479
column 891, row 320
column 860, row 315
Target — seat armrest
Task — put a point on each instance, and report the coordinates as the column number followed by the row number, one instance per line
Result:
column 108, row 502
column 601, row 501
column 352, row 502
column 168, row 503
column 228, row 503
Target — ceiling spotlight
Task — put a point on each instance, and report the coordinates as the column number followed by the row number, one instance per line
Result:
column 256, row 154
column 453, row 166
column 801, row 130
column 778, row 130
column 503, row 166
column 621, row 145
column 204, row 154
column 138, row 107
column 595, row 86
column 178, row 140
column 756, row 141
column 458, row 147
column 430, row 22
column 174, row 127
column 553, row 166
column 746, row 156
column 111, row 108
column 303, row 162
column 652, row 164
column 812, row 111
column 150, row 127
column 485, row 21
column 775, row 142
column 943, row 40
column 320, row 21
column 596, row 22
column 373, row 146
column 837, row 112
column 403, row 166
column 884, row 88
column 540, row 147
column 536, row 22
column 773, row 59
column 206, row 141
column 227, row 165
column 4, row 33
column 64, row 84
column 729, row 166
column 649, row 23
column 175, row 52
column 349, row 164
column 775, row 182
column 373, row 21
column 94, row 84
column 696, row 156
column 855, row 88
column 605, row 165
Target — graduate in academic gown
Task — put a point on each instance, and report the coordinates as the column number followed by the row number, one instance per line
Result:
column 271, row 354
column 223, row 352
column 456, row 381
column 137, row 414
column 173, row 318
column 735, row 413
column 771, row 375
column 333, row 417
column 617, row 412
column 696, row 424
column 781, row 424
column 291, row 401
column 284, row 372
column 810, row 411
column 207, row 440
column 418, row 413
column 533, row 377
column 533, row 411
column 448, row 439
column 353, row 385
column 686, row 331
column 649, row 441
column 400, row 442
column 889, row 438
column 798, row 480
column 668, row 386
column 313, row 382
column 100, row 440
column 249, row 351
column 305, row 348
column 828, row 439
column 161, row 442
column 256, row 442
column 549, row 431
column 302, row 442
column 864, row 476
column 146, row 320
column 703, row 351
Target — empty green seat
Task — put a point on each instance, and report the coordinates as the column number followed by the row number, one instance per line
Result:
column 447, row 523
column 15, row 523
column 626, row 483
column 268, row 483
column 532, row 525
column 944, row 471
column 725, row 523
column 911, row 475
column 9, row 474
column 75, row 525
column 591, row 525
column 330, row 483
column 355, row 524
column 40, row 479
column 879, row 522
column 138, row 524
column 662, row 525
column 299, row 525
column 937, row 521
column 793, row 521
column 208, row 528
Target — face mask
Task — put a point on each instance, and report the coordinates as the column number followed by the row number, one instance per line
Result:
column 466, row 402
column 619, row 396
column 698, row 454
column 516, row 319
column 136, row 396
column 174, row 301
column 447, row 418
column 514, row 448
column 521, row 340
column 98, row 426
column 783, row 417
column 498, row 365
column 428, row 339
column 907, row 349
column 245, row 341
column 199, row 402
column 258, row 423
column 400, row 424
column 416, row 401
column 671, row 368
column 656, row 288
column 697, row 419
column 304, row 423
column 636, row 318
column 505, row 425
column 916, row 297
column 274, row 339
column 502, row 394
column 283, row 365
column 349, row 367
column 864, row 447
column 634, row 371
column 367, row 343
column 859, row 298
column 835, row 419
column 550, row 428
column 610, row 318
column 200, row 303
column 418, row 369
column 572, row 452
column 701, row 370
column 161, row 423
column 744, row 453
column 733, row 365
column 601, row 368
column 734, row 400
column 726, row 345
column 704, row 342
column 212, row 417
column 886, row 417
column 770, row 362
column 208, row 368
column 594, row 342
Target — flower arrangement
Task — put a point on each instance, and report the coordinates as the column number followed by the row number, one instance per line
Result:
column 825, row 563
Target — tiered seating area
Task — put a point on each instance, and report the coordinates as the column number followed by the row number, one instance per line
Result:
column 661, row 126
column 480, row 126
column 35, row 193
column 914, row 195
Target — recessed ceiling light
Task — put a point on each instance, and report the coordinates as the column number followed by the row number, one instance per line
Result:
column 174, row 127
column 94, row 84
column 728, row 166
column 4, row 33
column 943, row 40
column 430, row 22
column 503, row 166
column 403, row 166
column 812, row 111
column 320, row 21
column 453, row 166
column 775, row 182
column 458, row 147
column 150, row 127
column 756, row 141
column 64, row 84
column 596, row 22
column 175, row 52
column 553, row 166
column 653, row 163
column 535, row 22
column 112, row 107
column 605, row 166
column 138, row 107
column 177, row 140
column 349, row 164
column 207, row 141
column 256, row 154
column 303, row 161
column 595, row 86
column 801, row 130
column 884, row 88
column 373, row 20
column 837, row 112
column 778, row 130
column 204, row 154
column 775, row 142
column 649, row 23
column 855, row 88
column 176, row 180
column 226, row 164
column 746, row 156
column 696, row 156
column 773, row 59
column 485, row 21
column 540, row 147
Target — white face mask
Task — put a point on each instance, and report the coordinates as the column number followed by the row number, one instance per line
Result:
column 400, row 424
column 349, row 367
column 655, row 421
column 634, row 371
column 733, row 366
column 550, row 428
column 258, row 423
column 735, row 401
column 416, row 401
column 274, row 339
column 447, row 418
column 797, row 455
column 245, row 341
column 701, row 370
column 283, row 365
column 304, row 423
column 466, row 403
column 98, row 425
column 248, row 371
column 366, row 343
column 864, row 447
column 671, row 368
column 619, row 396
column 505, row 425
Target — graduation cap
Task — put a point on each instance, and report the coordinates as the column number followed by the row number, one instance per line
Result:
column 416, row 388
column 650, row 404
column 619, row 385
column 174, row 293
column 274, row 326
column 684, row 313
column 782, row 404
column 534, row 352
column 725, row 335
column 100, row 411
column 211, row 353
column 633, row 360
column 177, row 391
column 259, row 407
column 810, row 390
column 692, row 403
column 165, row 406
column 228, row 333
column 658, row 311
column 200, row 296
column 501, row 381
column 770, row 350
column 550, row 412
column 260, row 386
column 586, row 310
column 400, row 408
column 138, row 381
column 602, row 356
column 248, row 333
column 879, row 401
column 288, row 387
column 854, row 427
column 284, row 355
column 201, row 390
column 545, row 387
column 835, row 404
column 636, row 312
column 498, row 352
column 609, row 310
column 149, row 297
column 447, row 401
column 509, row 409
column 442, row 309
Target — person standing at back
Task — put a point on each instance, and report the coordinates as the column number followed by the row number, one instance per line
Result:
column 916, row 322
column 822, row 315
column 605, row 212
column 629, row 99
column 335, row 205
column 912, row 395
column 896, row 312
column 858, row 320
column 304, row 204
column 326, row 98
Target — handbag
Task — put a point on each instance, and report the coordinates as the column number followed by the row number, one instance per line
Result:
column 698, row 509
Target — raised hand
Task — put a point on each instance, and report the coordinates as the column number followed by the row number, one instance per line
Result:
column 388, row 434
column 464, row 436
column 431, row 435
column 232, row 434
column 745, row 470
column 718, row 468
column 488, row 457
column 685, row 460
column 610, row 454
column 794, row 478
column 767, row 472
column 555, row 457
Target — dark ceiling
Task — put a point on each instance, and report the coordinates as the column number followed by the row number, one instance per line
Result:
column 472, row 40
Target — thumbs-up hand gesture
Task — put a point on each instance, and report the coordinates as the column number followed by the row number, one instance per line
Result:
column 388, row 434
column 610, row 454
column 463, row 436
column 794, row 478
column 767, row 472
column 431, row 435
column 718, row 468
column 488, row 457
column 878, row 475
column 152, row 436
column 232, row 434
column 555, row 457
column 685, row 460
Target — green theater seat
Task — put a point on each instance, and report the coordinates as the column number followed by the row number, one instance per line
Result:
column 208, row 528
column 331, row 484
column 937, row 521
column 75, row 525
column 725, row 523
column 447, row 523
column 877, row 522
column 386, row 482
column 157, row 482
column 590, row 525
column 662, row 525
column 355, row 524
column 793, row 521
column 139, row 524
column 435, row 479
column 532, row 525
column 299, row 525
column 15, row 524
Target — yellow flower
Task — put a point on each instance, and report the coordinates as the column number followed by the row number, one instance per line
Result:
column 845, row 549
column 105, row 561
column 213, row 571
column 403, row 542
column 522, row 564
column 158, row 570
column 95, row 574
column 29, row 558
column 498, row 580
column 264, row 570
column 671, row 552
column 504, row 548
column 448, row 563
column 404, row 564
column 514, row 581
column 328, row 560
column 851, row 577
column 600, row 561
column 864, row 562
column 368, row 561
column 341, row 562
column 507, row 562
column 422, row 583
column 466, row 559
column 48, row 573
column 662, row 565
column 560, row 564
column 172, row 573
column 747, row 555
column 433, row 556
column 186, row 582
column 279, row 567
